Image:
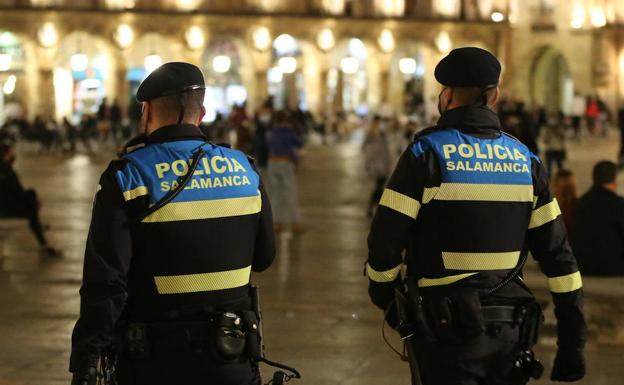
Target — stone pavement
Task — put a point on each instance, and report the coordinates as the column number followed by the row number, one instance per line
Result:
column 318, row 316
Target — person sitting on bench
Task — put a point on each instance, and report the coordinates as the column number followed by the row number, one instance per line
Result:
column 17, row 202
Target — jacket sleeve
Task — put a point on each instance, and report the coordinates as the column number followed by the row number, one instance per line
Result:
column 106, row 262
column 548, row 242
column 264, row 250
column 395, row 217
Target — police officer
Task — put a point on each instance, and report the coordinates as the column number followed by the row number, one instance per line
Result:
column 467, row 202
column 166, row 279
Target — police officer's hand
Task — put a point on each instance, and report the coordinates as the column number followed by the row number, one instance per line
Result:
column 85, row 377
column 569, row 365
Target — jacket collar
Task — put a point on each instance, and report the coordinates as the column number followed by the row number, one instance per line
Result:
column 175, row 132
column 470, row 118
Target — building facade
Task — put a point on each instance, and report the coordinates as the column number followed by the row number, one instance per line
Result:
column 61, row 58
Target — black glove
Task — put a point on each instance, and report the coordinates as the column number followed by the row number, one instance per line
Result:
column 85, row 377
column 569, row 365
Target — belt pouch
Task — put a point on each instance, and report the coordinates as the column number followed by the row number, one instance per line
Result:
column 440, row 311
column 470, row 316
column 230, row 338
column 252, row 326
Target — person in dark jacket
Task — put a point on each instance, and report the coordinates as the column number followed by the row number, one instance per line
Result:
column 467, row 202
column 166, row 282
column 17, row 202
column 599, row 225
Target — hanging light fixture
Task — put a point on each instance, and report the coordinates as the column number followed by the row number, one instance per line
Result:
column 195, row 38
column 407, row 66
column 221, row 63
column 261, row 38
column 124, row 35
column 497, row 16
column 386, row 41
column 443, row 42
column 325, row 39
column 598, row 17
column 47, row 35
column 9, row 85
column 5, row 61
column 275, row 75
column 349, row 65
column 151, row 62
column 287, row 64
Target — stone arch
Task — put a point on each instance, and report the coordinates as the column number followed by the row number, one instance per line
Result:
column 242, row 62
column 73, row 96
column 550, row 83
column 25, row 69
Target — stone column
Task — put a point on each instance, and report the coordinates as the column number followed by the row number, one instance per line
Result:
column 262, row 87
column 47, row 99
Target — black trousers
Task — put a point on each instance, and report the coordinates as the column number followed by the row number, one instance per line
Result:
column 29, row 209
column 185, row 368
column 487, row 359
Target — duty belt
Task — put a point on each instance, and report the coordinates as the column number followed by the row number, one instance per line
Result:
column 493, row 314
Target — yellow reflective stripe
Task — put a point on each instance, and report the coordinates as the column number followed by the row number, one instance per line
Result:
column 383, row 276
column 193, row 283
column 565, row 283
column 480, row 261
column 399, row 202
column 135, row 193
column 426, row 282
column 217, row 208
column 547, row 213
column 485, row 192
column 429, row 193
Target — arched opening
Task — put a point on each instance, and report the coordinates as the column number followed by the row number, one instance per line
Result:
column 12, row 77
column 147, row 54
column 551, row 83
column 407, row 81
column 347, row 78
column 82, row 75
column 285, row 78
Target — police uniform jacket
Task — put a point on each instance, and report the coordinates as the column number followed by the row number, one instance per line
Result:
column 465, row 202
column 192, row 256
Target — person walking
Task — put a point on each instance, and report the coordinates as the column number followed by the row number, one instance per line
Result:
column 554, row 139
column 283, row 144
column 467, row 202
column 179, row 224
column 376, row 161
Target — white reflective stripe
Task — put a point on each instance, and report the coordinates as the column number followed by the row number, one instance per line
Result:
column 401, row 203
column 426, row 282
column 485, row 192
column 206, row 209
column 135, row 193
column 547, row 213
column 480, row 261
column 565, row 283
column 429, row 193
column 383, row 276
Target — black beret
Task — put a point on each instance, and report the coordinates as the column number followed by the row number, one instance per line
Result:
column 170, row 79
column 468, row 67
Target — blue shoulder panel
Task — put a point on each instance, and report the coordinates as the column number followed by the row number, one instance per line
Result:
column 468, row 159
column 222, row 173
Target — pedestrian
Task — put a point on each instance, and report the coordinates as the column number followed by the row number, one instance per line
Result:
column 577, row 111
column 115, row 121
column 554, row 139
column 263, row 117
column 598, row 241
column 592, row 113
column 564, row 189
column 18, row 202
column 283, row 157
column 178, row 226
column 376, row 161
column 467, row 203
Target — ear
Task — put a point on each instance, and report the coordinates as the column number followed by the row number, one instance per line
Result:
column 147, row 111
column 201, row 115
column 494, row 98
